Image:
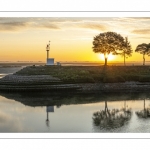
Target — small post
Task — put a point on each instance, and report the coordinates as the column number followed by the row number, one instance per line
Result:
column 48, row 49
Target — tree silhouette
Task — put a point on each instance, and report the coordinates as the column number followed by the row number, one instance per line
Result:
column 143, row 49
column 145, row 113
column 127, row 50
column 106, row 43
column 114, row 118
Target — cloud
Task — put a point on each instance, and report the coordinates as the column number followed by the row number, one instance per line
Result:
column 141, row 18
column 12, row 26
column 132, row 19
column 9, row 123
column 141, row 37
column 92, row 23
column 17, row 24
column 93, row 26
column 141, row 31
column 48, row 26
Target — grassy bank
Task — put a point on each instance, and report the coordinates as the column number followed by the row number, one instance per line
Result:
column 91, row 74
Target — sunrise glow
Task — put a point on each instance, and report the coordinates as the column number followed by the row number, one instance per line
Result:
column 25, row 39
column 110, row 57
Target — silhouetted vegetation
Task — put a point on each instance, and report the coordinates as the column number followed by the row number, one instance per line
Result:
column 108, row 42
column 143, row 49
column 114, row 118
column 145, row 113
column 126, row 50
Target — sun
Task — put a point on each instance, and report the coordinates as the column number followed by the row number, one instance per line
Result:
column 110, row 57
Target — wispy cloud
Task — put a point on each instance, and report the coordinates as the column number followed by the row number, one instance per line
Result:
column 48, row 26
column 93, row 26
column 13, row 26
column 121, row 25
column 142, row 37
column 18, row 24
column 141, row 31
column 140, row 18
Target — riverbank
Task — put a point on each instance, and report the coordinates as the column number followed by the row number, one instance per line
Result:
column 45, row 83
column 91, row 74
column 78, row 78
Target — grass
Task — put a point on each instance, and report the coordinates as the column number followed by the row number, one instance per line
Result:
column 91, row 74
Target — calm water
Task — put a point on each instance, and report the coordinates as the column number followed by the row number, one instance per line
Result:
column 8, row 70
column 75, row 113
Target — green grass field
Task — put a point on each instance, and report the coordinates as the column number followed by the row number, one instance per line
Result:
column 91, row 74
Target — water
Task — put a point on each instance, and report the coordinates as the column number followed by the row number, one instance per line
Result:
column 8, row 70
column 73, row 113
column 65, row 114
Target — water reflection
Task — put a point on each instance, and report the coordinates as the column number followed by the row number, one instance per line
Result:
column 144, row 113
column 100, row 112
column 110, row 119
column 49, row 109
column 60, row 99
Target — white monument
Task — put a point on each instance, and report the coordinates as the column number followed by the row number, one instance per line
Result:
column 50, row 61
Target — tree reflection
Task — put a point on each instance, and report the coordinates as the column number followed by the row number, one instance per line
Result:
column 114, row 118
column 145, row 113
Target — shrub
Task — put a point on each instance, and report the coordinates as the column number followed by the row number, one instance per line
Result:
column 113, row 79
column 145, row 78
column 131, row 77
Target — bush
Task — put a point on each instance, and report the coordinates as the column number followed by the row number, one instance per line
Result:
column 131, row 77
column 87, row 74
column 144, row 78
column 113, row 79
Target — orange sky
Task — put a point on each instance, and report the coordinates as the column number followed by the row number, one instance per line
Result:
column 25, row 39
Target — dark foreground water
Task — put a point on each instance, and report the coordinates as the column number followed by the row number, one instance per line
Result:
column 74, row 113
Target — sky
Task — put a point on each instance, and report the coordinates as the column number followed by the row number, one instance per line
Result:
column 25, row 39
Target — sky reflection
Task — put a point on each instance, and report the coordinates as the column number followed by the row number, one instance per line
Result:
column 18, row 114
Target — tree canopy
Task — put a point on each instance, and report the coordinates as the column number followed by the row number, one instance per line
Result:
column 126, row 49
column 107, row 42
column 143, row 49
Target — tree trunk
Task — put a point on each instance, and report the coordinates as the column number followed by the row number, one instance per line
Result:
column 105, row 105
column 143, row 59
column 125, row 108
column 106, row 109
column 124, row 59
column 105, row 61
column 144, row 109
column 144, row 105
column 125, row 105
